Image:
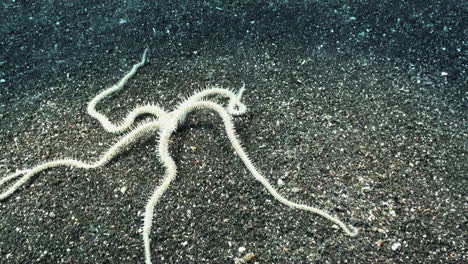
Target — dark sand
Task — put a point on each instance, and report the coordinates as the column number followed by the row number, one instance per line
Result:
column 356, row 108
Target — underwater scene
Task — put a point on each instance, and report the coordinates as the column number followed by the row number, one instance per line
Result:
column 241, row 131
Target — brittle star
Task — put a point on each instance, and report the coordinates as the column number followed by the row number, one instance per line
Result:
column 166, row 123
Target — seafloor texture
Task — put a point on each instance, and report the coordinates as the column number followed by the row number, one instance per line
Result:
column 357, row 108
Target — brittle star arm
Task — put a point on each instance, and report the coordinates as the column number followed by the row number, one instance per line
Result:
column 142, row 129
column 154, row 110
column 171, row 170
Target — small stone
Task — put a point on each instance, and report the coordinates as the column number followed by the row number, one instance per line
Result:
column 249, row 257
column 280, row 182
column 396, row 245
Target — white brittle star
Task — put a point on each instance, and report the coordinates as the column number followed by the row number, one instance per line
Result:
column 166, row 123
